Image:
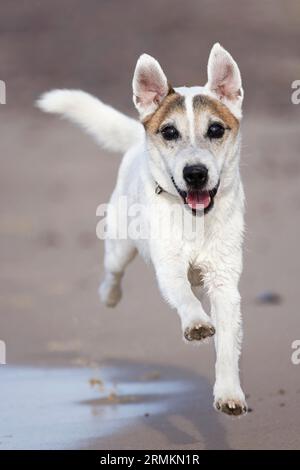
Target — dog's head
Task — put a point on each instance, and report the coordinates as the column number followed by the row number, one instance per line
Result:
column 192, row 132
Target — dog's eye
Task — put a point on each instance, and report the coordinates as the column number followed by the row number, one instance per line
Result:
column 169, row 133
column 215, row 131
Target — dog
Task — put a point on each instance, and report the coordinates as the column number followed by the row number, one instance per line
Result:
column 185, row 149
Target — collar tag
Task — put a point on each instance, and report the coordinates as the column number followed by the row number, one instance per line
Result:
column 158, row 189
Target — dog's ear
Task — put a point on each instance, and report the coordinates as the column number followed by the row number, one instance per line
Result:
column 150, row 85
column 224, row 78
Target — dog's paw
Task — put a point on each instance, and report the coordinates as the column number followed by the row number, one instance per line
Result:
column 198, row 332
column 110, row 294
column 232, row 407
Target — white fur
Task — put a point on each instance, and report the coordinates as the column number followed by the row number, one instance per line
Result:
column 218, row 253
column 224, row 79
column 149, row 85
column 111, row 129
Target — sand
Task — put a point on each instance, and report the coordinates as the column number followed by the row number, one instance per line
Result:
column 61, row 342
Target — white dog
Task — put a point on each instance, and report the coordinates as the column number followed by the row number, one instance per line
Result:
column 185, row 150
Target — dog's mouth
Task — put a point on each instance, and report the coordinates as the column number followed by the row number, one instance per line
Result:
column 198, row 200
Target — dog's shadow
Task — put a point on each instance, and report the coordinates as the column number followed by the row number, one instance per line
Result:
column 175, row 403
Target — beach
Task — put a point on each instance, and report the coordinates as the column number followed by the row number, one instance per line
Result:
column 80, row 375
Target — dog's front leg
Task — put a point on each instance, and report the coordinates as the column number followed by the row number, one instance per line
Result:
column 172, row 275
column 225, row 311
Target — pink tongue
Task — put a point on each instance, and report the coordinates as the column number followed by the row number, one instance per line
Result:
column 198, row 199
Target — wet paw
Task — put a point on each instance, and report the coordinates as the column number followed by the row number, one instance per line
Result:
column 232, row 407
column 199, row 332
column 110, row 295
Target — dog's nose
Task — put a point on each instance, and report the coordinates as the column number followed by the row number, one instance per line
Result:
column 195, row 175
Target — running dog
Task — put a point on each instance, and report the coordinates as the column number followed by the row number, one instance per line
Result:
column 185, row 149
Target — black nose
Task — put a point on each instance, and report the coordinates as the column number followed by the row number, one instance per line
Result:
column 195, row 175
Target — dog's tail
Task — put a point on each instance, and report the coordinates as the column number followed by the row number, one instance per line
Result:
column 112, row 130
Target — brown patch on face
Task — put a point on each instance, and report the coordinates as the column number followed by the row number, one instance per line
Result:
column 217, row 108
column 173, row 101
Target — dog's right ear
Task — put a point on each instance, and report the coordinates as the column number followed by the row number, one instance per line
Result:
column 150, row 85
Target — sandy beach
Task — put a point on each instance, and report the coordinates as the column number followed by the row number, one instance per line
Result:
column 79, row 375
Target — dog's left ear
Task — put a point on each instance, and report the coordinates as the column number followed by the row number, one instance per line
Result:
column 224, row 79
column 150, row 85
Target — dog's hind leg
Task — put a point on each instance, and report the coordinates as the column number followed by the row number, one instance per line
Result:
column 118, row 253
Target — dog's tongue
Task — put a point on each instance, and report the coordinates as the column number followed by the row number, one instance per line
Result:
column 198, row 199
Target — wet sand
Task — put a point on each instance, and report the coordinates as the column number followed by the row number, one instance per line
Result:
column 127, row 405
column 53, row 177
column 73, row 408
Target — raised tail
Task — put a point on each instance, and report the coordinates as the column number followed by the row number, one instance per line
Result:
column 112, row 130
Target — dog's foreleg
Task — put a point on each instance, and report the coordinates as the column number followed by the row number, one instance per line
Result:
column 226, row 313
column 176, row 289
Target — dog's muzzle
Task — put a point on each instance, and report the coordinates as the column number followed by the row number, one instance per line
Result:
column 198, row 200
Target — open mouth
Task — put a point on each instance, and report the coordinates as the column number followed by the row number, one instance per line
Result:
column 198, row 200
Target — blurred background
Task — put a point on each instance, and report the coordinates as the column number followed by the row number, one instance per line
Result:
column 53, row 177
